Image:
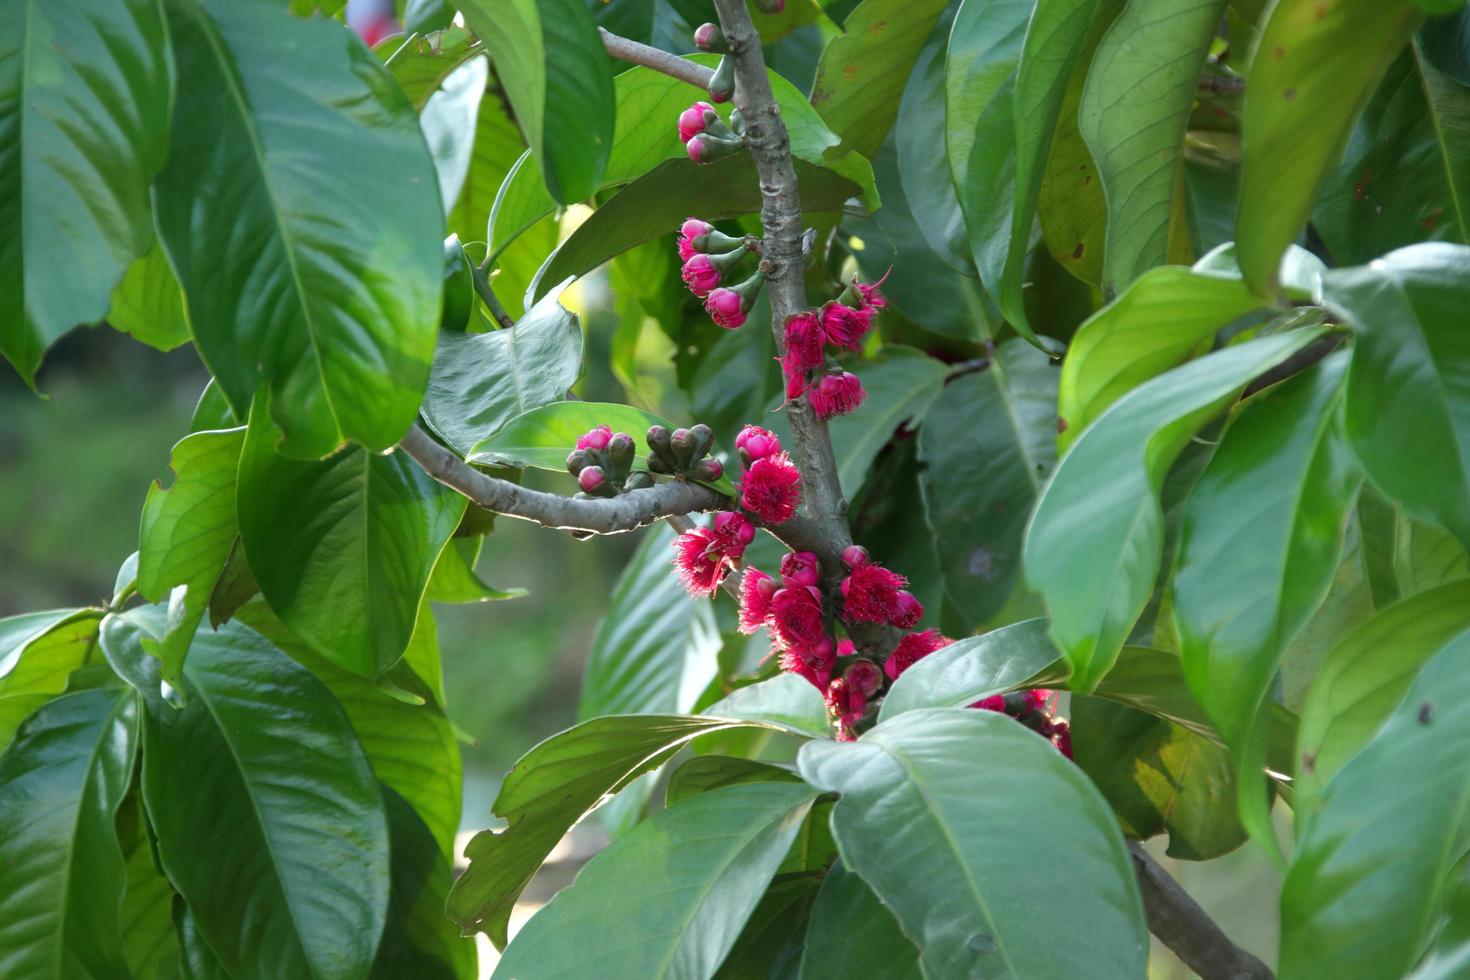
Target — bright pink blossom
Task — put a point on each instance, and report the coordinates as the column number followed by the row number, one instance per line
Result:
column 725, row 307
column 796, row 617
column 836, row 394
column 910, row 611
column 590, row 478
column 870, row 594
column 869, row 293
column 700, row 562
column 756, row 590
column 814, row 662
column 794, row 374
column 700, row 275
column 732, row 532
column 771, row 489
column 804, row 340
column 755, row 443
column 846, row 648
column 855, row 555
column 690, row 233
column 996, row 702
column 691, row 121
column 800, row 569
column 844, row 326
column 597, row 438
column 911, row 648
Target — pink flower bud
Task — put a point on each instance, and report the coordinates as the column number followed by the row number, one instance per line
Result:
column 690, row 234
column 846, row 648
column 796, row 617
column 756, row 443
column 590, row 478
column 709, row 37
column 855, row 555
column 996, row 702
column 596, row 438
column 813, row 662
column 700, row 275
column 799, row 569
column 864, row 676
column 794, row 374
column 725, row 308
column 692, row 121
column 910, row 611
column 836, row 394
column 709, row 470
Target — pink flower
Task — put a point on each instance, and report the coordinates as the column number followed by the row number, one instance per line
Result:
column 871, row 296
column 700, row 562
column 815, row 662
column 725, row 307
column 845, row 703
column 691, row 121
column 755, row 443
column 1061, row 737
column 794, row 374
column 1036, row 698
column 690, row 233
column 836, row 394
column 700, row 275
column 756, row 590
column 996, row 702
column 796, row 617
column 845, row 326
column 864, row 676
column 799, row 569
column 597, row 438
column 590, row 478
column 732, row 533
column 804, row 341
column 771, row 489
column 870, row 594
column 911, row 648
column 910, row 611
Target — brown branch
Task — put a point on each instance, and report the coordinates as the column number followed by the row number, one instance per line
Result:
column 1184, row 927
column 625, row 49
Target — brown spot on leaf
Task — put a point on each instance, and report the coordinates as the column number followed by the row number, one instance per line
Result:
column 1431, row 219
column 1077, row 252
column 1426, row 711
column 878, row 26
column 1360, row 189
column 1321, row 11
column 851, row 71
column 1289, row 94
column 1061, row 422
column 1278, row 52
column 1309, row 761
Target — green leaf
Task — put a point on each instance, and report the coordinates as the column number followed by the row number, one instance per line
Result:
column 927, row 184
column 455, row 579
column 1365, row 677
column 299, row 884
column 547, row 791
column 1261, row 542
column 1356, row 900
column 1313, row 69
column 787, row 700
column 497, row 147
column 281, row 252
column 1134, row 113
column 342, row 548
column 687, row 911
column 38, row 652
column 709, row 772
column 1158, row 777
column 1157, row 323
column 150, row 946
column 483, row 380
column 62, row 874
column 84, row 95
column 1405, row 176
column 852, row 934
column 448, row 120
column 418, row 939
column 988, row 445
column 1010, row 658
column 862, row 71
column 559, row 79
column 1094, row 543
column 771, row 942
column 964, row 871
column 421, row 64
column 1445, row 43
column 187, row 533
column 1408, row 415
column 148, row 303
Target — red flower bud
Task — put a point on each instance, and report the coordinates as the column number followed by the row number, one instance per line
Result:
column 590, row 478
column 724, row 308
column 836, row 394
column 708, row 470
column 799, row 569
column 864, row 676
column 846, row 648
column 813, row 662
column 996, row 702
column 709, row 37
column 910, row 611
column 855, row 555
column 690, row 234
column 692, row 121
column 596, row 438
column 771, row 489
column 846, row 704
column 755, row 443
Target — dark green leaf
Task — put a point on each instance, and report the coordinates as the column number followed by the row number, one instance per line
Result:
column 483, row 380
column 342, row 548
column 687, row 913
column 62, row 873
column 1094, row 544
column 1445, row 42
column 84, row 95
column 928, row 187
column 1357, row 901
column 708, row 772
column 963, row 871
column 852, row 934
column 1314, row 67
column 560, row 83
column 419, row 940
column 150, row 945
column 988, row 445
column 771, row 943
column 281, row 252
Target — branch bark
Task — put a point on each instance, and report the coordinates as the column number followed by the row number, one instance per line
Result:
column 1184, row 927
column 626, row 49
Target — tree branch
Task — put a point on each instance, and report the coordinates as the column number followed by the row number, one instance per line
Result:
column 1184, row 927
column 626, row 49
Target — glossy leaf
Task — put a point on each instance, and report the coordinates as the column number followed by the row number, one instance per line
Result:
column 547, row 791
column 342, row 548
column 988, row 444
column 1005, row 659
column 1314, row 68
column 852, row 934
column 483, row 380
column 62, row 873
column 186, row 536
column 84, row 93
column 39, row 654
column 299, row 884
column 1408, row 407
column 148, row 303
column 146, row 918
column 281, row 253
column 861, row 74
column 418, row 939
column 787, row 700
column 1363, row 679
column 1356, row 900
column 928, row 187
column 455, row 578
column 685, row 881
column 559, row 79
column 448, row 121
column 498, row 145
column 1094, row 543
column 962, row 871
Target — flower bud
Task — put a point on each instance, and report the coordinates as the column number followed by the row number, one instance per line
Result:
column 708, row 470
column 799, row 568
column 692, row 120
column 682, row 445
column 577, row 461
column 709, row 37
column 864, row 676
column 657, row 464
column 620, row 451
column 722, row 85
column 596, row 438
column 591, row 478
column 755, row 443
column 836, row 394
column 728, row 306
column 707, row 148
column 700, row 275
column 855, row 555
column 638, row 481
column 804, row 340
column 704, row 438
column 910, row 611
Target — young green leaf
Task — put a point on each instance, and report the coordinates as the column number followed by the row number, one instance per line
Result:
column 62, row 874
column 684, row 882
column 282, row 251
column 1094, row 543
column 38, row 653
column 85, row 89
column 962, row 870
column 148, row 303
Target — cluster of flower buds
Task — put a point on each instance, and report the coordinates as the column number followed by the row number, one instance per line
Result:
column 603, row 464
column 792, row 609
column 873, row 594
column 707, row 137
column 708, row 256
column 770, row 487
column 848, row 696
column 705, row 555
column 843, row 323
column 1036, row 709
column 684, row 453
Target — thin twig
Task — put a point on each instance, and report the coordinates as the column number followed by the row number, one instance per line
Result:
column 1187, row 929
column 626, row 49
column 492, row 302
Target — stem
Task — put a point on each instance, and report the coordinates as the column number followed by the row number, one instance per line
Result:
column 626, row 49
column 482, row 286
column 1184, row 927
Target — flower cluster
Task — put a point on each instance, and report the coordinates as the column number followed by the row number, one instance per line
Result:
column 707, row 137
column 842, row 323
column 705, row 555
column 792, row 609
column 708, row 256
column 683, row 453
column 771, row 485
column 873, row 594
column 1036, row 709
column 602, row 462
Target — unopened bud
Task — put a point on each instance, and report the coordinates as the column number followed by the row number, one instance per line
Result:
column 722, row 85
column 706, row 148
column 864, row 676
column 799, row 568
column 709, row 37
column 911, row 610
column 855, row 555
column 682, row 445
column 577, row 461
column 656, row 464
column 708, row 470
column 638, row 481
column 704, row 438
column 620, row 451
column 590, row 478
column 693, row 120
